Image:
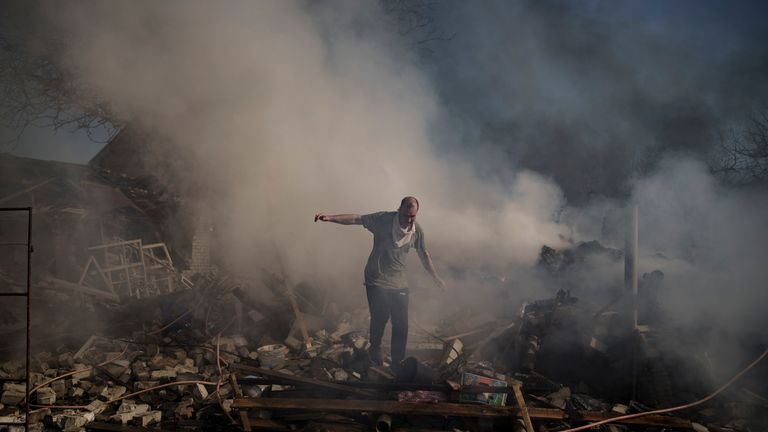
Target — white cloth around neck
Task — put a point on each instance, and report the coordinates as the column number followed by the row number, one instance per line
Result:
column 400, row 236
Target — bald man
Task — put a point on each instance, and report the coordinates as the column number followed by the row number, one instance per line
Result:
column 394, row 234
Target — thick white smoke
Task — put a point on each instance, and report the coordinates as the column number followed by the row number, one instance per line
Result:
column 289, row 108
column 713, row 237
column 708, row 239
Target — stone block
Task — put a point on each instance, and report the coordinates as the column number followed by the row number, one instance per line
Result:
column 149, row 418
column 75, row 421
column 60, row 387
column 12, row 395
column 163, row 373
column 200, row 392
column 113, row 392
column 96, row 407
column 46, row 396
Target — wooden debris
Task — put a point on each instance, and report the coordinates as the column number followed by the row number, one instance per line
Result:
column 516, row 387
column 307, row 381
column 239, row 394
column 447, row 410
column 86, row 346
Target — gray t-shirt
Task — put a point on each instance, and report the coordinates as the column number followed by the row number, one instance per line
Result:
column 386, row 264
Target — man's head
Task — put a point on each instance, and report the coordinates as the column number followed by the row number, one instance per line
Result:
column 406, row 214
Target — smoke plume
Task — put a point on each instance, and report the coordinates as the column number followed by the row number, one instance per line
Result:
column 287, row 108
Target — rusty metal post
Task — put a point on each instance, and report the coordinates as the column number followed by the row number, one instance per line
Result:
column 30, row 249
column 26, row 294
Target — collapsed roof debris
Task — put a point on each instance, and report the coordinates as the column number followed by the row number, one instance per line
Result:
column 187, row 361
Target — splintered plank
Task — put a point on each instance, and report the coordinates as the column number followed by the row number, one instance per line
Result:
column 516, row 385
column 239, row 393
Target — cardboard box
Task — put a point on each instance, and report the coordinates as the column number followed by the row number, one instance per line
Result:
column 495, row 399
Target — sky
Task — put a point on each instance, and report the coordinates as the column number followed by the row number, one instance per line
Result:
column 41, row 142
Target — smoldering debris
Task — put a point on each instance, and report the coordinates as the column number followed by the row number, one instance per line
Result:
column 196, row 346
column 215, row 357
column 157, row 325
column 167, row 339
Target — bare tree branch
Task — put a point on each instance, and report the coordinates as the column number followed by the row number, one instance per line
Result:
column 34, row 91
column 415, row 18
column 743, row 154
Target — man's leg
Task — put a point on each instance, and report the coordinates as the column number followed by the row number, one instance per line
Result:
column 398, row 301
column 379, row 309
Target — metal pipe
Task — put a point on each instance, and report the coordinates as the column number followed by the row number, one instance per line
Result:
column 630, row 261
column 26, row 294
column 384, row 423
column 630, row 287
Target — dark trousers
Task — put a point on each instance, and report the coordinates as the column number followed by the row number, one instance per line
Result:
column 383, row 304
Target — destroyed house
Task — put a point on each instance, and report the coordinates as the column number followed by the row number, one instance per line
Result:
column 82, row 217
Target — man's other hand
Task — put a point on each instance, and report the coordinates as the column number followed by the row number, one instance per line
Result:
column 441, row 284
column 321, row 217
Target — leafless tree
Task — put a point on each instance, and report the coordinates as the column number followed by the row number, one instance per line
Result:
column 416, row 19
column 34, row 90
column 743, row 154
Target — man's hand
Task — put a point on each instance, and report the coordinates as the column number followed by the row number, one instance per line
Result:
column 343, row 219
column 429, row 266
column 440, row 284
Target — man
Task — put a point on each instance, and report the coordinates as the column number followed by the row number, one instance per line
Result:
column 394, row 234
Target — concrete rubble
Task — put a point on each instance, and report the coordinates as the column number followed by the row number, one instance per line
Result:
column 187, row 361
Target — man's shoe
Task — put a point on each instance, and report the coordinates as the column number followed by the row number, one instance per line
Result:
column 375, row 355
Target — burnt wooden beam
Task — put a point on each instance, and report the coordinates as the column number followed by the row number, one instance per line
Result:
column 239, row 394
column 377, row 406
column 111, row 427
column 516, row 385
column 306, row 381
column 448, row 410
column 388, row 387
column 262, row 424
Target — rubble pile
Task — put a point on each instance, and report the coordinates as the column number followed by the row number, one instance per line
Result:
column 561, row 261
column 123, row 340
column 111, row 381
column 194, row 367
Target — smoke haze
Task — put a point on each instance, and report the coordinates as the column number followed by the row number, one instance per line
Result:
column 287, row 108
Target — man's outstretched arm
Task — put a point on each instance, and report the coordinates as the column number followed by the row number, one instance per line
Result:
column 429, row 266
column 344, row 219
